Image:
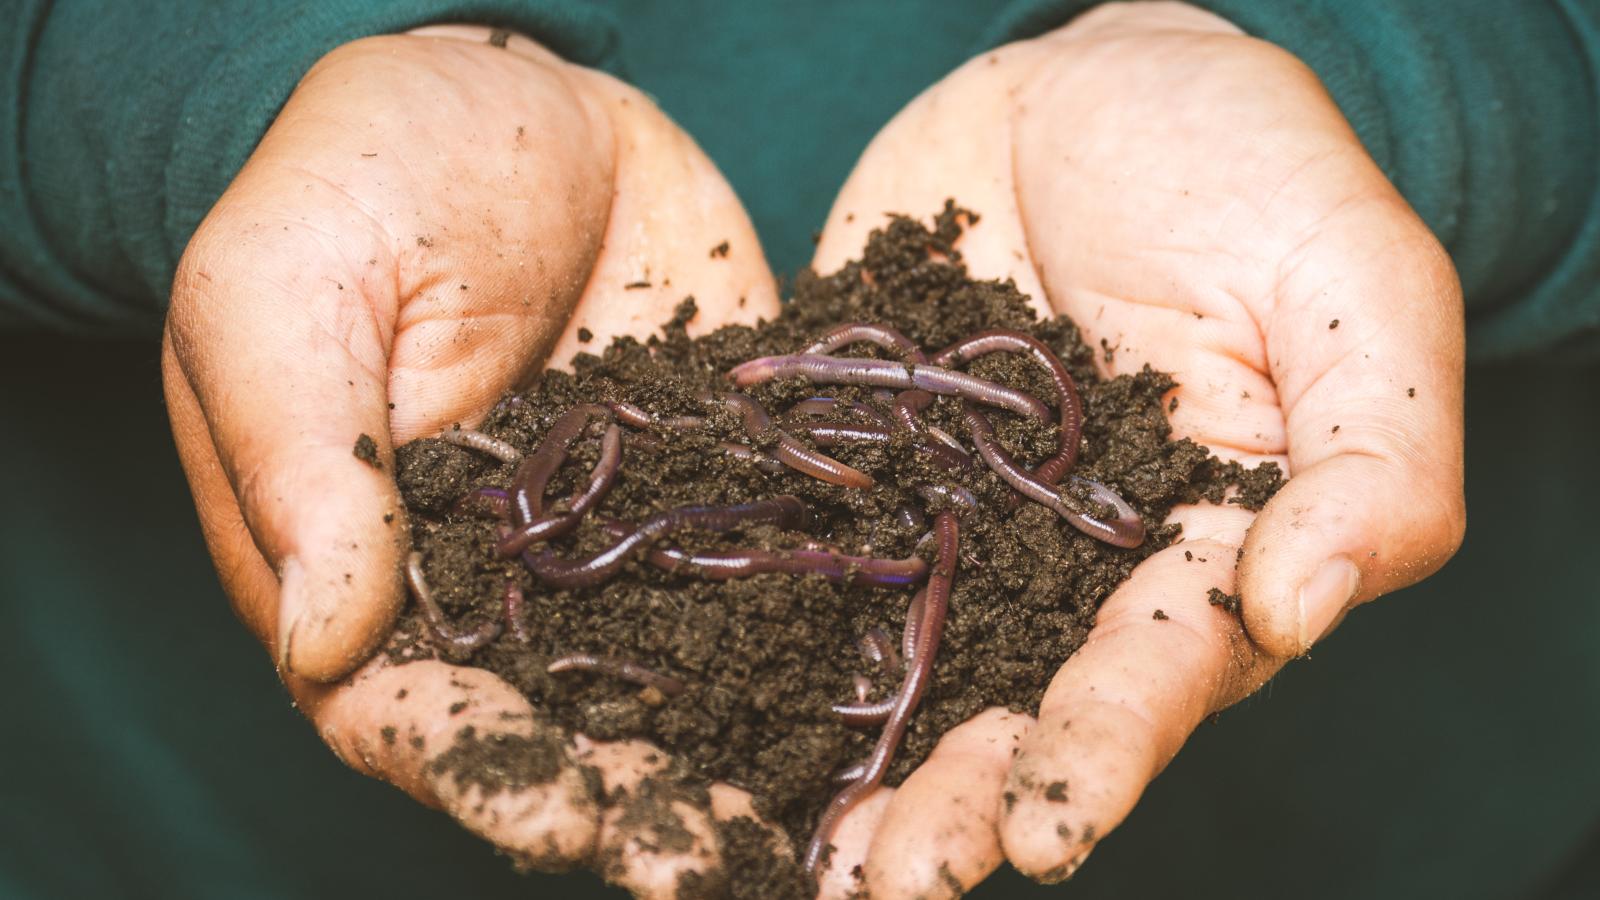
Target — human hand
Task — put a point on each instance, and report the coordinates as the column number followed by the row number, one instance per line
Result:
column 1194, row 199
column 427, row 224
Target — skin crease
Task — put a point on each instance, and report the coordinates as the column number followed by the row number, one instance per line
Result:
column 1138, row 168
column 1193, row 198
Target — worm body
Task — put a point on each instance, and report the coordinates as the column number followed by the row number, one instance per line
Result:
column 527, row 486
column 601, row 478
column 784, row 511
column 1069, row 407
column 1125, row 530
column 444, row 635
column 919, row 669
column 627, row 670
column 883, row 373
column 477, row 440
column 495, row 501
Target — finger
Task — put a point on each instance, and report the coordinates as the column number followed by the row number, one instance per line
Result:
column 655, row 833
column 461, row 739
column 1120, row 708
column 939, row 837
column 842, row 873
column 286, row 323
column 1368, row 352
column 729, row 803
column 245, row 575
column 676, row 230
column 907, row 169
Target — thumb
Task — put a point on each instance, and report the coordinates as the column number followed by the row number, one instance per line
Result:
column 1367, row 347
column 284, row 398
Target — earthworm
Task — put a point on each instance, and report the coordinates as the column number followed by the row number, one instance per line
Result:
column 908, row 408
column 444, row 635
column 629, row 414
column 836, row 567
column 919, row 669
column 909, row 517
column 1068, row 404
column 1126, row 530
column 907, row 405
column 495, row 500
column 527, row 485
column 829, row 434
column 952, row 494
column 908, row 638
column 863, row 686
column 830, row 564
column 858, row 332
column 825, row 406
column 477, row 440
column 791, row 452
column 514, row 612
column 627, row 670
column 863, row 714
column 884, row 373
column 784, row 511
column 744, row 451
column 876, row 647
column 601, row 478
column 848, row 773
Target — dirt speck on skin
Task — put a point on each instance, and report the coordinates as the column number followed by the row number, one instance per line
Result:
column 763, row 658
column 1230, row 602
column 366, row 450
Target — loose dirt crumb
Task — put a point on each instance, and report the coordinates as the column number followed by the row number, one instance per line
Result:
column 366, row 450
column 1230, row 602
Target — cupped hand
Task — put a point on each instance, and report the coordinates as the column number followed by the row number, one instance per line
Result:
column 1195, row 201
column 427, row 224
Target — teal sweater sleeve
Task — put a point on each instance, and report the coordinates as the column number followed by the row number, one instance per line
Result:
column 123, row 123
column 1484, row 114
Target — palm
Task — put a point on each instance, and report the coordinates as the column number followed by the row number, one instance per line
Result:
column 1196, row 203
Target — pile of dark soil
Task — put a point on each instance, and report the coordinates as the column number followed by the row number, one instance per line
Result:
column 763, row 658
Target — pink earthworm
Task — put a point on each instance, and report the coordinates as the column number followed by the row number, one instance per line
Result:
column 1069, row 406
column 919, row 671
column 836, row 567
column 515, row 605
column 784, row 511
column 444, row 635
column 627, row 670
column 791, row 452
column 477, row 440
column 528, row 484
column 884, row 373
column 496, row 500
column 601, row 478
column 1126, row 530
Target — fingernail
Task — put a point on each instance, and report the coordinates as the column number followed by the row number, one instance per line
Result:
column 291, row 605
column 1324, row 595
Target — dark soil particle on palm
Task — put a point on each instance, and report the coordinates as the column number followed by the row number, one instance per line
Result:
column 763, row 658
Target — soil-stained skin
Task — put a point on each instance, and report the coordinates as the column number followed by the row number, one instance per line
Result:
column 763, row 658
